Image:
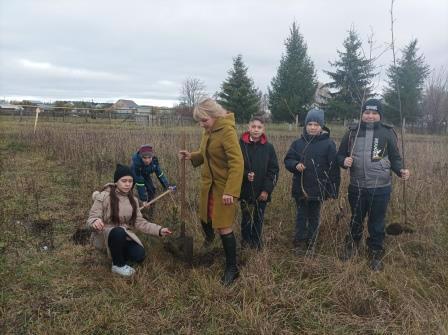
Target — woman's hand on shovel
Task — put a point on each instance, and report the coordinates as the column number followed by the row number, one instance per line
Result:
column 184, row 155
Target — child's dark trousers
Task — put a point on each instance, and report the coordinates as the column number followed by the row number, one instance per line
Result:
column 252, row 223
column 372, row 203
column 122, row 249
column 307, row 220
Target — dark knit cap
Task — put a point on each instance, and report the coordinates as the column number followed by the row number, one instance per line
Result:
column 122, row 171
column 374, row 105
column 315, row 115
column 146, row 150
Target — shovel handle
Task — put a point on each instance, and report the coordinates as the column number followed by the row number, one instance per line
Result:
column 156, row 198
column 183, row 189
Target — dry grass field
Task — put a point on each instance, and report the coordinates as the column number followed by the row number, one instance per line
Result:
column 51, row 285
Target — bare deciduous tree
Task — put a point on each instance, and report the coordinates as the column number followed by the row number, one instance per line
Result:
column 435, row 100
column 264, row 103
column 193, row 89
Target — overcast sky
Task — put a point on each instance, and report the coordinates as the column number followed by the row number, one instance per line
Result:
column 143, row 50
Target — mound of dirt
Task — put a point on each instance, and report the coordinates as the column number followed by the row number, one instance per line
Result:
column 397, row 229
column 81, row 236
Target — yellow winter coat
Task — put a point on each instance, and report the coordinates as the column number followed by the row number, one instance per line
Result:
column 222, row 170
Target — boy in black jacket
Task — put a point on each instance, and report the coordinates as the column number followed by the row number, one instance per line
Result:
column 316, row 177
column 260, row 176
column 370, row 151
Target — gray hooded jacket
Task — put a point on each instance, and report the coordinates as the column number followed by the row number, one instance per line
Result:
column 375, row 154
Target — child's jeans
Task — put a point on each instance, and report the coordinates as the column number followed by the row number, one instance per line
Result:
column 252, row 223
column 122, row 250
column 372, row 202
column 150, row 188
column 307, row 221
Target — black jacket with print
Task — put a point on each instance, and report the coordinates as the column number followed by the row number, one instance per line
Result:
column 260, row 158
column 375, row 154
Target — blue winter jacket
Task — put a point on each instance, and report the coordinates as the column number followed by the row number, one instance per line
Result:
column 143, row 173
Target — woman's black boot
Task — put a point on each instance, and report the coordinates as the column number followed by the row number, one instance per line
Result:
column 209, row 234
column 231, row 271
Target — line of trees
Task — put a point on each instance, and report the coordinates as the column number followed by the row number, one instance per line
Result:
column 292, row 90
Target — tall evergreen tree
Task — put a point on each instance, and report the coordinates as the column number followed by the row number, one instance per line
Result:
column 238, row 93
column 352, row 79
column 293, row 88
column 408, row 76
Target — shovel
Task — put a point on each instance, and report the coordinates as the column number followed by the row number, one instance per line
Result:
column 156, row 198
column 182, row 246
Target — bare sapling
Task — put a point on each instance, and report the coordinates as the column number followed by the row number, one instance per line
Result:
column 402, row 119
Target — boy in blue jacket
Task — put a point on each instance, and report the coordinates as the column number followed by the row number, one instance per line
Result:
column 316, row 177
column 144, row 163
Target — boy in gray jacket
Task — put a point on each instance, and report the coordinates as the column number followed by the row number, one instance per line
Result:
column 371, row 153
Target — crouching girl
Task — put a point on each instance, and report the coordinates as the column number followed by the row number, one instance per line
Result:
column 114, row 216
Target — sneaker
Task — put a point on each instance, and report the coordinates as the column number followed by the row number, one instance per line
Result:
column 350, row 250
column 301, row 247
column 125, row 270
column 376, row 260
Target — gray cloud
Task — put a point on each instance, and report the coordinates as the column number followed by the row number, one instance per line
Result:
column 61, row 49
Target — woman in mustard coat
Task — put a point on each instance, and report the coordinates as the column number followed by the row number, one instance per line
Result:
column 221, row 177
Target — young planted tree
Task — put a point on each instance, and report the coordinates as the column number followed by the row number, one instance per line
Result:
column 352, row 79
column 293, row 88
column 405, row 85
column 238, row 93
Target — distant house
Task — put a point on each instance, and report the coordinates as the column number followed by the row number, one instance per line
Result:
column 124, row 106
column 322, row 94
column 144, row 110
column 45, row 107
column 10, row 109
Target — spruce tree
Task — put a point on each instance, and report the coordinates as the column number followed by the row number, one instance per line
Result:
column 409, row 77
column 352, row 79
column 238, row 93
column 293, row 88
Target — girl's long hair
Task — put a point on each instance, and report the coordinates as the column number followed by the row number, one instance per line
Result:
column 115, row 207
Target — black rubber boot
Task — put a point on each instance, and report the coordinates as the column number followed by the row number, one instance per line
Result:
column 351, row 249
column 376, row 260
column 209, row 234
column 231, row 271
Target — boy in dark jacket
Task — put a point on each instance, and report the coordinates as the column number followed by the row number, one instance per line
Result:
column 260, row 176
column 143, row 164
column 370, row 151
column 316, row 177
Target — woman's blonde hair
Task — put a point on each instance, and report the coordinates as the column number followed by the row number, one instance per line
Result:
column 208, row 107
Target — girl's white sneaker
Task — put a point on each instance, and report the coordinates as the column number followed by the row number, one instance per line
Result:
column 125, row 270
